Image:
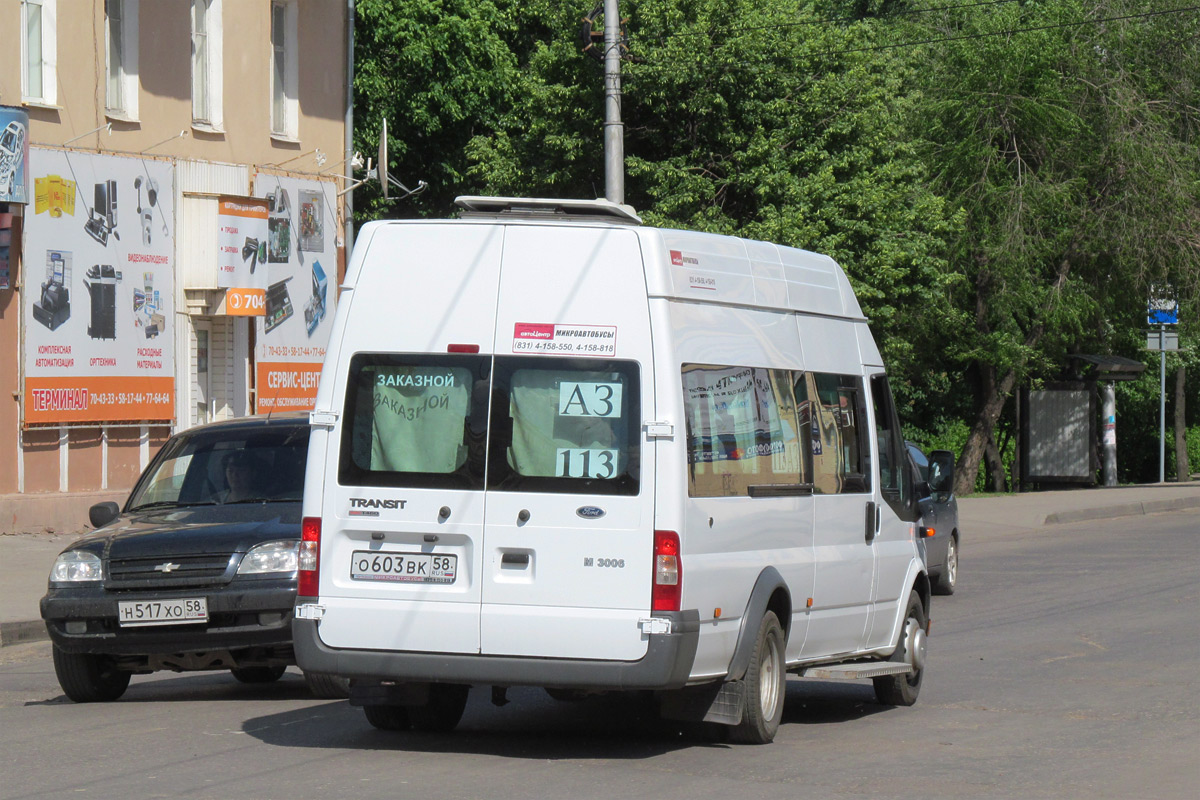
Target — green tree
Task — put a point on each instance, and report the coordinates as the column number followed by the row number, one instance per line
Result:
column 1076, row 177
column 750, row 119
column 441, row 72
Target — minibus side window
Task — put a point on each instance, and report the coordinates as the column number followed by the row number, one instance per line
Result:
column 743, row 431
column 565, row 425
column 837, row 413
column 414, row 421
column 895, row 478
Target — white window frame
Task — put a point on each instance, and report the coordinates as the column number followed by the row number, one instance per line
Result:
column 284, row 108
column 121, row 95
column 207, row 75
column 49, row 56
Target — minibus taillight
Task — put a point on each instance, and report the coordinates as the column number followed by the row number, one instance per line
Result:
column 310, row 557
column 462, row 348
column 668, row 572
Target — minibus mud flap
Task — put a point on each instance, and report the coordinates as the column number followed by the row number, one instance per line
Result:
column 721, row 702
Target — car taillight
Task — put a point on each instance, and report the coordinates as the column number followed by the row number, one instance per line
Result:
column 310, row 557
column 668, row 572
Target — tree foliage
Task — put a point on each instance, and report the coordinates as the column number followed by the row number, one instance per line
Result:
column 1002, row 181
column 440, row 72
column 736, row 123
column 1077, row 178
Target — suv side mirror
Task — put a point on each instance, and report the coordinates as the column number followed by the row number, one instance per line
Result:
column 941, row 471
column 103, row 513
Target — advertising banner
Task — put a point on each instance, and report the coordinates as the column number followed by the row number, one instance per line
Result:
column 100, row 286
column 242, row 255
column 301, row 274
column 14, row 155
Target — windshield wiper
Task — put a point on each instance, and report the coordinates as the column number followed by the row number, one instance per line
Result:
column 262, row 500
column 172, row 504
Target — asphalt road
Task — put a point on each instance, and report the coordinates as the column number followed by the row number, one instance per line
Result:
column 1065, row 667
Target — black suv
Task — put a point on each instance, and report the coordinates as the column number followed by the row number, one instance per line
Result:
column 197, row 572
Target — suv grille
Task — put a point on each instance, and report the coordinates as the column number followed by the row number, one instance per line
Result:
column 163, row 571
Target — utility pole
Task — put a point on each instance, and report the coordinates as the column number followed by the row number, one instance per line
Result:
column 1162, row 403
column 348, row 227
column 1162, row 310
column 614, row 129
column 1108, row 401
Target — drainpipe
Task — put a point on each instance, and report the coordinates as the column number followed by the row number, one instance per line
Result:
column 348, row 199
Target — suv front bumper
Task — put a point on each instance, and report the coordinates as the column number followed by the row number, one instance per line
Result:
column 256, row 615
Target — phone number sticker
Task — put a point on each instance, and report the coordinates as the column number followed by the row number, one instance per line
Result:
column 575, row 340
column 128, row 398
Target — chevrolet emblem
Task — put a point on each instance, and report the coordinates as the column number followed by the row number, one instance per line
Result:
column 167, row 567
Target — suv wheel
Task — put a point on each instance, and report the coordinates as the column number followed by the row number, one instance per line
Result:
column 89, row 678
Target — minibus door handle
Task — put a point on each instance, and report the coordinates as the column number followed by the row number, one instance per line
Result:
column 872, row 520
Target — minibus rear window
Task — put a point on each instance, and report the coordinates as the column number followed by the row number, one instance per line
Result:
column 565, row 425
column 415, row 421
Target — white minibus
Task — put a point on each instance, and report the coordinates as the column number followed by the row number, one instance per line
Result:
column 554, row 447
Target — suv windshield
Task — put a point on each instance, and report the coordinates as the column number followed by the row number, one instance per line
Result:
column 557, row 425
column 235, row 465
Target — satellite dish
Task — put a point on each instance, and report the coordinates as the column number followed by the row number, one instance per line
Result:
column 382, row 165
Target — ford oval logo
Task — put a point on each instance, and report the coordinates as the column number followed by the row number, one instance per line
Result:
column 590, row 512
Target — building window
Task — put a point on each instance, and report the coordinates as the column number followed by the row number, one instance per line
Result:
column 121, row 48
column 206, row 64
column 284, row 70
column 38, row 76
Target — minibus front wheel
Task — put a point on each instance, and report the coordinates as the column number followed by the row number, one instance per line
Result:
column 902, row 690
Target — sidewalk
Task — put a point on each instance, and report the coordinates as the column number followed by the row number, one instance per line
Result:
column 26, row 558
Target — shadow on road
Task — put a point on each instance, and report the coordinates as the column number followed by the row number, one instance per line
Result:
column 532, row 725
column 169, row 687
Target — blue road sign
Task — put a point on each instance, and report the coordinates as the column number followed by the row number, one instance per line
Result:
column 1162, row 310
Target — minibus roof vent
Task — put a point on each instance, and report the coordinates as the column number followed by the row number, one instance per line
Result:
column 547, row 208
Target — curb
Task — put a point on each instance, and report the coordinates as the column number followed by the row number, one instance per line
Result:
column 1123, row 510
column 22, row 632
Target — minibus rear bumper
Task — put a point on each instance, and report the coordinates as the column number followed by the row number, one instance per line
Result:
column 666, row 665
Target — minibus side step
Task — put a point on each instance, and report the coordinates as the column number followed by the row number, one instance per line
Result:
column 853, row 672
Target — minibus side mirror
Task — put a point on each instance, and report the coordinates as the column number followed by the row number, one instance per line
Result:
column 941, row 471
column 103, row 513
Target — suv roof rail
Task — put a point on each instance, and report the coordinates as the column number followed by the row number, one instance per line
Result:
column 545, row 207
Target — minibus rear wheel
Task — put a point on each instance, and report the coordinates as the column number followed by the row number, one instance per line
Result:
column 327, row 687
column 441, row 714
column 388, row 718
column 765, row 686
column 259, row 674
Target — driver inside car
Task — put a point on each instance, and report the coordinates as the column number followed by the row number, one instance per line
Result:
column 245, row 476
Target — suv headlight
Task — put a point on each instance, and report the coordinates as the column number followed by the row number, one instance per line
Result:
column 76, row 566
column 270, row 557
